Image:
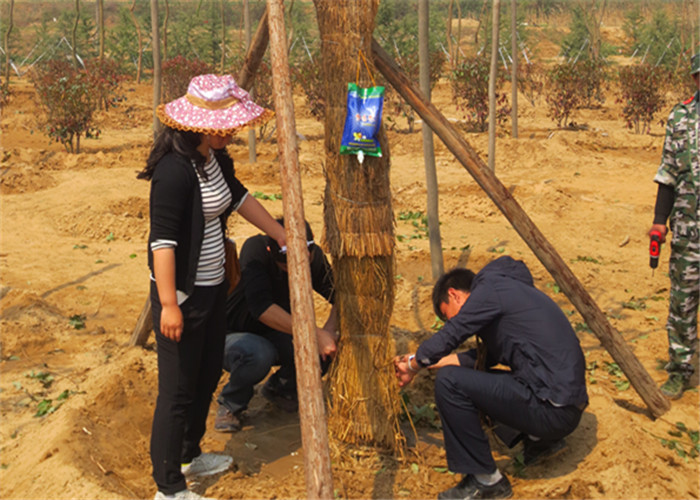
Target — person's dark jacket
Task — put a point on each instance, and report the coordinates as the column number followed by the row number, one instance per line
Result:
column 176, row 211
column 522, row 329
column 263, row 284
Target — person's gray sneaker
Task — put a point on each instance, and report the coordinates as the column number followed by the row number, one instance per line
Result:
column 181, row 495
column 207, row 464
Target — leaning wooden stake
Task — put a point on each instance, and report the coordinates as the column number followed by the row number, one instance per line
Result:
column 545, row 252
column 256, row 50
column 314, row 432
column 144, row 325
column 246, row 76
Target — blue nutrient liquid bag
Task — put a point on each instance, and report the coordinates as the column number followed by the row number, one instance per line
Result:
column 362, row 121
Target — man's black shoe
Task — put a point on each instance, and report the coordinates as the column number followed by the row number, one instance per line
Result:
column 469, row 487
column 535, row 451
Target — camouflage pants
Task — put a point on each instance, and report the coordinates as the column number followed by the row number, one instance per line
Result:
column 682, row 324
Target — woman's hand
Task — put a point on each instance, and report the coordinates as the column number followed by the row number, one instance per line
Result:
column 171, row 322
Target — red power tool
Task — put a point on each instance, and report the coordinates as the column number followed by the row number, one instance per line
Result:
column 654, row 250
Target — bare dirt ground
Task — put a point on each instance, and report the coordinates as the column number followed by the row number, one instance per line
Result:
column 74, row 231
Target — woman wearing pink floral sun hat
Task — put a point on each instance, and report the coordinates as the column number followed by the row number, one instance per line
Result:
column 193, row 191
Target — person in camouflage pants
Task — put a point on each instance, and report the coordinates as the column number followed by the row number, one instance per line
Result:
column 678, row 181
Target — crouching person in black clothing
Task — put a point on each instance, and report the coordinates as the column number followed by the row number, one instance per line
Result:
column 539, row 400
column 259, row 325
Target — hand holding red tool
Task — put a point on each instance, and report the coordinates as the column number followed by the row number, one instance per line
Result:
column 654, row 249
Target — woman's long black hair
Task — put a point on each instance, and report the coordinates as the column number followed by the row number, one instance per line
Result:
column 178, row 141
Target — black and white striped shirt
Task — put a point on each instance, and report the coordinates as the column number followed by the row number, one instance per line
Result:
column 216, row 196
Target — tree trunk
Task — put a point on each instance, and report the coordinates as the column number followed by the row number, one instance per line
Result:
column 459, row 34
column 222, row 11
column 480, row 20
column 140, row 41
column 10, row 18
column 514, row 67
column 611, row 340
column 252, row 154
column 74, row 34
column 363, row 399
column 165, row 31
column 314, row 433
column 101, row 26
column 431, row 183
column 157, row 75
column 448, row 35
column 492, row 84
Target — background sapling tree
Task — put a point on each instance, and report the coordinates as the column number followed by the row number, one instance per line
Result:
column 68, row 100
column 641, row 91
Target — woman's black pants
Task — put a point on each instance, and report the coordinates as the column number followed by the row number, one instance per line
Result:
column 188, row 373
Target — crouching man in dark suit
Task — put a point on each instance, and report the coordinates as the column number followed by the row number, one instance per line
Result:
column 540, row 398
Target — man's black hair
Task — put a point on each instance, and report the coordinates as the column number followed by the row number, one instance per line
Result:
column 459, row 279
column 275, row 248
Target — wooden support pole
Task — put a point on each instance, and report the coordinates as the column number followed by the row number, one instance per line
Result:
column 611, row 340
column 256, row 50
column 144, row 325
column 314, row 431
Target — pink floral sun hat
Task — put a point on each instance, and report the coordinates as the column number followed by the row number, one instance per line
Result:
column 213, row 105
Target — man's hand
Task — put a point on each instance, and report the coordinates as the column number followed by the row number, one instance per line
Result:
column 326, row 343
column 403, row 372
column 171, row 322
column 449, row 360
column 660, row 228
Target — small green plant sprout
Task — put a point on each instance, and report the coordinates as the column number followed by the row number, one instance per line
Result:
column 79, row 247
column 77, row 321
column 110, row 237
column 414, row 468
column 585, row 258
column 132, row 256
column 496, row 249
column 437, row 324
column 635, row 304
column 619, row 380
column 47, row 406
column 45, row 378
column 419, row 221
column 554, row 287
column 591, row 368
column 640, row 337
column 262, row 196
column 685, row 442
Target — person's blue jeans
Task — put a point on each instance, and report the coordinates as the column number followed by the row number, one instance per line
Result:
column 248, row 358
